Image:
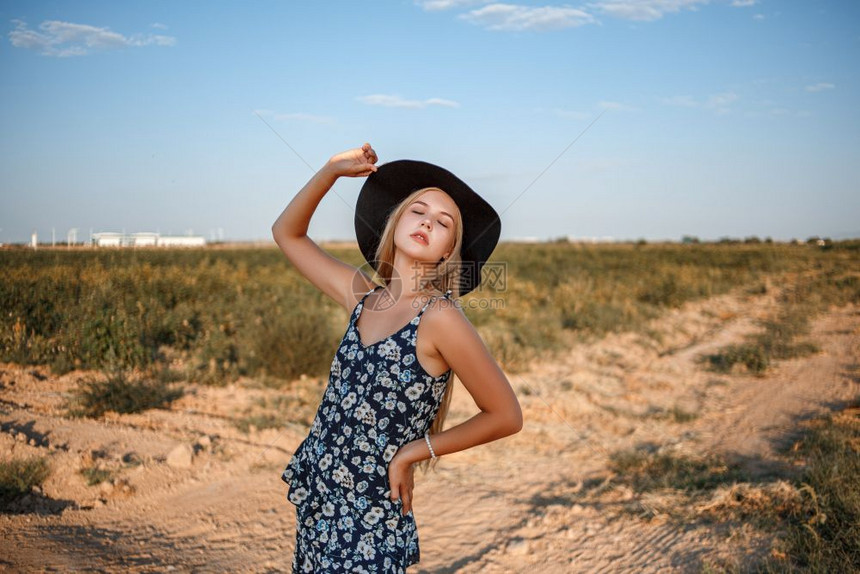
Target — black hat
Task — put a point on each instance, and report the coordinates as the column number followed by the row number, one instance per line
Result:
column 393, row 181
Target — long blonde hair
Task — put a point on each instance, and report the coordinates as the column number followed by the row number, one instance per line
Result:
column 444, row 276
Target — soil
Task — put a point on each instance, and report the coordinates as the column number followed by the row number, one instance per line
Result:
column 186, row 490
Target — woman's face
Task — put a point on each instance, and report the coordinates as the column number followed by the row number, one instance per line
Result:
column 426, row 229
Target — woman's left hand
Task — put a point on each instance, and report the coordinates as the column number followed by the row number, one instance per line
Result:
column 401, row 478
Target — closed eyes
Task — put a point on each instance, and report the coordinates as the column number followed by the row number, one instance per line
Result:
column 438, row 220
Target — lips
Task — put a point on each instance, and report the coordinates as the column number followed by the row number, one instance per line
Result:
column 421, row 236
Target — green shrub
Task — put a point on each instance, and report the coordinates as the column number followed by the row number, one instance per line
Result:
column 290, row 342
column 95, row 475
column 18, row 477
column 248, row 312
column 646, row 471
column 825, row 536
column 778, row 338
column 750, row 355
column 258, row 421
column 117, row 393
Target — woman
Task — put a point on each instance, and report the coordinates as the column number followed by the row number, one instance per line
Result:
column 351, row 479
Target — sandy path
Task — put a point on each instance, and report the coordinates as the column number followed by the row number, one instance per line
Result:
column 508, row 506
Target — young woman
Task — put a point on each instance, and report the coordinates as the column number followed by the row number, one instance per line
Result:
column 426, row 234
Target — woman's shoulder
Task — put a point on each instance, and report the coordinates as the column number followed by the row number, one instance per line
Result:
column 448, row 330
column 444, row 313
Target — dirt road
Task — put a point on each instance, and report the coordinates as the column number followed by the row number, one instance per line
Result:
column 191, row 492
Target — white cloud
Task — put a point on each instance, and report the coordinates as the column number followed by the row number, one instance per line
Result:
column 63, row 39
column 159, row 26
column 437, row 5
column 615, row 106
column 644, row 10
column 441, row 102
column 820, row 87
column 771, row 108
column 395, row 101
column 518, row 17
column 681, row 101
column 720, row 103
column 758, row 16
column 514, row 17
column 779, row 112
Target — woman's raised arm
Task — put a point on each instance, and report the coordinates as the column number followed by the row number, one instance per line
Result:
column 331, row 275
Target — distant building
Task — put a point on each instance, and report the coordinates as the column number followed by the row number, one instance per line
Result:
column 145, row 239
column 604, row 239
column 182, row 241
column 108, row 239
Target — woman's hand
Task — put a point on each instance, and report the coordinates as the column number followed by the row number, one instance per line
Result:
column 401, row 477
column 354, row 163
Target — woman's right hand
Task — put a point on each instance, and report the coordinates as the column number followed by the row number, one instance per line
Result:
column 355, row 162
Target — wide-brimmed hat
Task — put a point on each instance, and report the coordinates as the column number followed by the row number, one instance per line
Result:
column 393, row 181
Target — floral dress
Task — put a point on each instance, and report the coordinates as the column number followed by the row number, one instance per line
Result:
column 378, row 398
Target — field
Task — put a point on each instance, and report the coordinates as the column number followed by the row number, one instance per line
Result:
column 684, row 406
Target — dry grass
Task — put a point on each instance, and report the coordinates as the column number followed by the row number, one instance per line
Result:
column 117, row 393
column 19, row 476
column 227, row 313
column 782, row 336
column 814, row 514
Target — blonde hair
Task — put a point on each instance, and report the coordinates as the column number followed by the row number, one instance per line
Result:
column 443, row 276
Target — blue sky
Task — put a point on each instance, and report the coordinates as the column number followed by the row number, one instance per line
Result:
column 714, row 118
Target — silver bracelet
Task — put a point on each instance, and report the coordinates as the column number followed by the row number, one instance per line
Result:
column 427, row 438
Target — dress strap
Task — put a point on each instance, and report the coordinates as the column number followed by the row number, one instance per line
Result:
column 375, row 287
column 364, row 297
column 447, row 295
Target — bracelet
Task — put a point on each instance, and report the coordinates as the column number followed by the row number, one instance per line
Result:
column 427, row 438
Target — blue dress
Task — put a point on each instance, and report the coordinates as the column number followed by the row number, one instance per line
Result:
column 378, row 398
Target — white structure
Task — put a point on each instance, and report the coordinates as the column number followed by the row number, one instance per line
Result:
column 108, row 239
column 182, row 241
column 145, row 239
column 603, row 239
